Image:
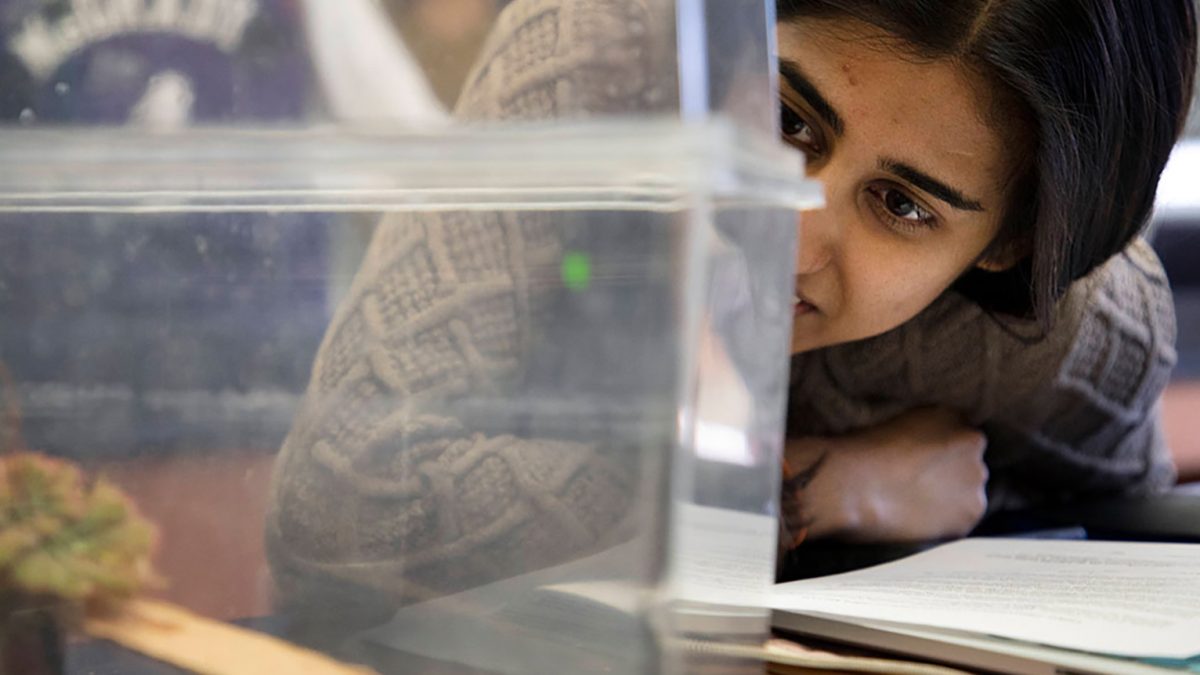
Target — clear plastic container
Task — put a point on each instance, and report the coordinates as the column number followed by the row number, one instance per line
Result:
column 495, row 387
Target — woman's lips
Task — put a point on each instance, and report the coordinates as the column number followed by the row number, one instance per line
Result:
column 802, row 306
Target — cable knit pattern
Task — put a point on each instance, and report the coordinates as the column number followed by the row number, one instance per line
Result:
column 383, row 483
column 1070, row 414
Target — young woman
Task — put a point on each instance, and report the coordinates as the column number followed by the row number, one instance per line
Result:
column 988, row 166
column 975, row 279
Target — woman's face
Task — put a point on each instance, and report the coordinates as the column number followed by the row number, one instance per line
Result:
column 913, row 173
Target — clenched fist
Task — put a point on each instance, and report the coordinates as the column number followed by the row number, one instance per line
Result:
column 918, row 477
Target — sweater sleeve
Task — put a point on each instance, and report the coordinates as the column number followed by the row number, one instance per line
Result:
column 1077, row 414
column 405, row 476
column 384, row 480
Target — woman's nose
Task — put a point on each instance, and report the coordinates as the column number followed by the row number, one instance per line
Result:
column 816, row 234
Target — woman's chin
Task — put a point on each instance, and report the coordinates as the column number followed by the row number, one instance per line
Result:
column 805, row 339
column 812, row 331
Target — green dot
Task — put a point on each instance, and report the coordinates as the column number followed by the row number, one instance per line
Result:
column 577, row 271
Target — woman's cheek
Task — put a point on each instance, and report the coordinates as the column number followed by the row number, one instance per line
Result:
column 892, row 286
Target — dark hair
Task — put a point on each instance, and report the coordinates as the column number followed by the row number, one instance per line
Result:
column 1105, row 86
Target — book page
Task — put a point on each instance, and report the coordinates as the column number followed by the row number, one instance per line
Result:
column 1126, row 599
column 723, row 557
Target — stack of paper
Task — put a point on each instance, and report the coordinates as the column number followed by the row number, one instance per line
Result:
column 1139, row 602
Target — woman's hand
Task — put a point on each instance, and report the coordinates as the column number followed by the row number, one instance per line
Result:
column 920, row 476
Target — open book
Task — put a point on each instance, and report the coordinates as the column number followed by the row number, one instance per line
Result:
column 1001, row 605
column 1015, row 605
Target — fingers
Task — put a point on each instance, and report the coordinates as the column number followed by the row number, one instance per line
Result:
column 793, row 528
column 970, row 444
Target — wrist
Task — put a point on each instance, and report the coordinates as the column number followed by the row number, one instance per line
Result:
column 830, row 504
column 844, row 509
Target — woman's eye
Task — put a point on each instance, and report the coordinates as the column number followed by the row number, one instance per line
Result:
column 798, row 132
column 901, row 209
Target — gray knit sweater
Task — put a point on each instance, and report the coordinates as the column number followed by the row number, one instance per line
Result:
column 385, row 484
column 1070, row 413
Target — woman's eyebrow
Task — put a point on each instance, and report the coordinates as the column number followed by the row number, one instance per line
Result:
column 933, row 186
column 794, row 76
